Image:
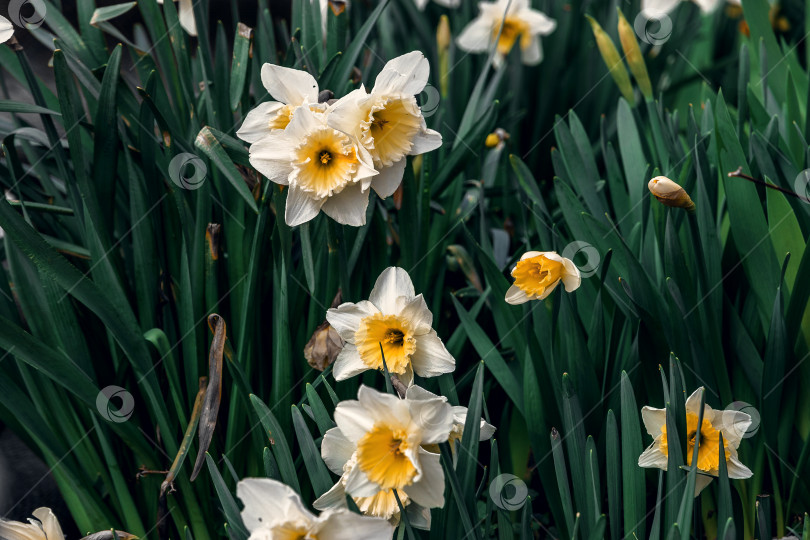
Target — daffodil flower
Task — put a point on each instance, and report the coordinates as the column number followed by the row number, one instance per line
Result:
column 538, row 273
column 6, row 29
column 732, row 424
column 446, row 3
column 397, row 318
column 44, row 527
column 185, row 14
column 663, row 7
column 388, row 121
column 274, row 511
column 520, row 24
column 325, row 169
column 291, row 88
column 378, row 447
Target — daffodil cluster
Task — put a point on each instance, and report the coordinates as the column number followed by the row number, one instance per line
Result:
column 332, row 154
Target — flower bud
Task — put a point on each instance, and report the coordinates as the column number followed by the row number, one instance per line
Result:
column 670, row 194
column 443, row 41
column 612, row 60
column 632, row 53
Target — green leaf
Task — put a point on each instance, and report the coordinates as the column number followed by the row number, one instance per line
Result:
column 635, row 492
column 343, row 71
column 20, row 107
column 316, row 468
column 208, row 143
column 278, row 442
column 226, row 500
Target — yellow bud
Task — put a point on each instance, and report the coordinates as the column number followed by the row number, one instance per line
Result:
column 443, row 41
column 612, row 60
column 670, row 194
column 492, row 140
column 632, row 53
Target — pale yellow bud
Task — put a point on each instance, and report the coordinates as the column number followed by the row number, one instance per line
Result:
column 670, row 194
column 443, row 40
column 612, row 60
column 632, row 53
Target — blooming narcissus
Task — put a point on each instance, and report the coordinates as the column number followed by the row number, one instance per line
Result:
column 273, row 511
column 6, row 29
column 732, row 424
column 662, row 7
column 44, row 527
column 388, row 121
column 520, row 23
column 395, row 317
column 185, row 14
column 292, row 88
column 325, row 169
column 378, row 448
column 538, row 273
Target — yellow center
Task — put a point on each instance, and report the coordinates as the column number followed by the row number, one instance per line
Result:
column 325, row 162
column 533, row 276
column 284, row 115
column 513, row 29
column 290, row 531
column 398, row 344
column 382, row 504
column 381, row 455
column 709, row 448
column 392, row 124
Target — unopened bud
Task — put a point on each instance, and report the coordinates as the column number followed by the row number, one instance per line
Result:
column 612, row 60
column 496, row 137
column 632, row 53
column 670, row 194
column 443, row 41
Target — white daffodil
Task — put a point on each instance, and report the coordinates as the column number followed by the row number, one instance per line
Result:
column 653, row 8
column 44, row 527
column 185, row 13
column 731, row 423
column 538, row 273
column 273, row 511
column 378, row 448
column 291, row 88
column 519, row 21
column 325, row 169
column 388, row 121
column 446, row 3
column 393, row 319
column 6, row 29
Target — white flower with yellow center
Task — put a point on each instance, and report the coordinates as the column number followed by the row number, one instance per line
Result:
column 291, row 88
column 394, row 322
column 731, row 423
column 325, row 169
column 44, row 527
column 388, row 121
column 378, row 447
column 659, row 8
column 185, row 14
column 6, row 29
column 273, row 511
column 521, row 24
column 538, row 273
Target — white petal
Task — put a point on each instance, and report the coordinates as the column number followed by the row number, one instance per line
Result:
column 389, row 179
column 348, row 363
column 416, row 312
column 336, row 450
column 185, row 13
column 418, row 515
column 14, row 530
column 420, row 4
column 539, row 22
column 516, row 296
column 349, row 206
column 269, row 502
column 425, row 141
column 347, row 113
column 701, row 481
column 346, row 318
column 736, row 469
column 406, row 74
column 733, row 424
column 6, row 30
column 392, row 283
column 487, row 430
column 548, row 291
column 289, row 86
column 303, row 122
column 658, row 7
column 707, row 6
column 653, row 420
column 429, row 490
column 358, row 484
column 533, row 53
column 257, row 121
column 353, row 419
column 693, row 402
column 300, row 207
column 431, row 357
column 384, row 407
column 345, row 525
column 571, row 277
column 477, row 35
column 417, row 393
column 49, row 523
column 434, row 417
column 334, row 498
column 533, row 254
column 271, row 156
column 652, row 457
